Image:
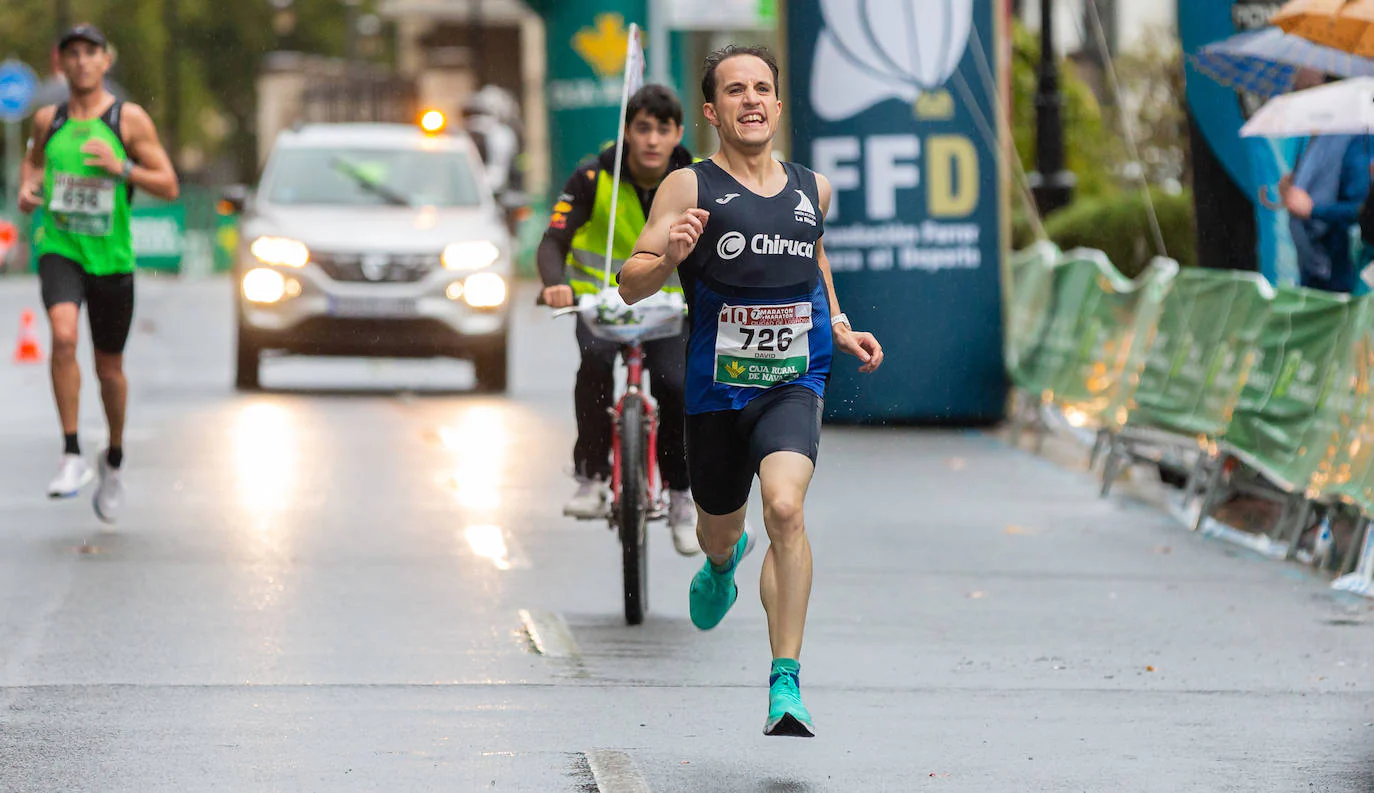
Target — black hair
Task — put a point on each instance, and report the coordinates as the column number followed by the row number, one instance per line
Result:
column 715, row 59
column 657, row 101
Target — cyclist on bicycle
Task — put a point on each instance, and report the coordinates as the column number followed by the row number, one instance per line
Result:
column 571, row 263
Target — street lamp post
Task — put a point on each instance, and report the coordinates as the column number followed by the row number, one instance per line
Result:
column 351, row 33
column 62, row 15
column 171, row 119
column 1051, row 184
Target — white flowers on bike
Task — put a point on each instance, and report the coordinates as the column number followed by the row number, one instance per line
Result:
column 609, row 317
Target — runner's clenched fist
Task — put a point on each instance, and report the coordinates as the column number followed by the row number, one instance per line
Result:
column 684, row 233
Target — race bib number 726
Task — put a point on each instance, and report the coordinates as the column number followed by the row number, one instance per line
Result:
column 762, row 346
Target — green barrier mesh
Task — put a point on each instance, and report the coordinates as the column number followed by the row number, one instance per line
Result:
column 1074, row 287
column 1032, row 297
column 1208, row 329
column 1347, row 470
column 1284, row 421
column 1117, row 321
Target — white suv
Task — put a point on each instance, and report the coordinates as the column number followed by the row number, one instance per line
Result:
column 373, row 240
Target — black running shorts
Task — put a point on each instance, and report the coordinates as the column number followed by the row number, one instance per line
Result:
column 725, row 448
column 110, row 298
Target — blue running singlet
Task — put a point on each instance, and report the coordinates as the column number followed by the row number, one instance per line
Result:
column 760, row 314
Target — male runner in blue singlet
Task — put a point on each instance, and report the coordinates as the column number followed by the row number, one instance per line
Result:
column 743, row 231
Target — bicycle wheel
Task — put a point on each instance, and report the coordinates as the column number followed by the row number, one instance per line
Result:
column 632, row 510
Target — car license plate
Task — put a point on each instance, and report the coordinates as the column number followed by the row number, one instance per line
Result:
column 372, row 307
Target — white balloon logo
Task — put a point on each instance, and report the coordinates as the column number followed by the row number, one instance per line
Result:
column 730, row 245
column 874, row 50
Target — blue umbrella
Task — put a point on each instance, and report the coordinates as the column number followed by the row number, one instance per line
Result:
column 1266, row 62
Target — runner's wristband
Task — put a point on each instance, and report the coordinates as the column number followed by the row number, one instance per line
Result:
column 838, row 318
column 127, row 170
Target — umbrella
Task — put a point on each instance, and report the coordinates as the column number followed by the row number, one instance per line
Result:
column 1265, row 62
column 1344, row 108
column 1346, row 25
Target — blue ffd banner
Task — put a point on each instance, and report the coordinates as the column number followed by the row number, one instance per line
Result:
column 895, row 101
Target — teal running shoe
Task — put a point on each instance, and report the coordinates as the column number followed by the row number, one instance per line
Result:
column 787, row 716
column 713, row 591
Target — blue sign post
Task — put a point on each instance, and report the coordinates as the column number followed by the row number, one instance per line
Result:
column 18, row 83
column 902, row 116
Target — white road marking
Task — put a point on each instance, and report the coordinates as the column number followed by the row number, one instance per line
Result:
column 615, row 772
column 550, row 634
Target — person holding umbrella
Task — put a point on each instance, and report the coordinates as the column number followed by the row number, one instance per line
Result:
column 1327, row 187
column 1323, row 197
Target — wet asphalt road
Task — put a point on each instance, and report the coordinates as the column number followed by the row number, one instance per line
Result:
column 320, row 588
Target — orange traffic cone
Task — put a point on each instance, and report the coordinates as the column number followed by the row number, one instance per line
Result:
column 28, row 350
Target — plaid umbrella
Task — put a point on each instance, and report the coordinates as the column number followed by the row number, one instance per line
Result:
column 1265, row 62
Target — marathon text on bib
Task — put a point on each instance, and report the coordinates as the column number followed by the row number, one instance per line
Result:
column 83, row 205
column 762, row 346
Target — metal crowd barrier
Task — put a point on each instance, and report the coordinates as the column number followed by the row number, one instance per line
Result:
column 1252, row 389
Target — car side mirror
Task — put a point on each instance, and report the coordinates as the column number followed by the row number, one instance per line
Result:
column 234, row 200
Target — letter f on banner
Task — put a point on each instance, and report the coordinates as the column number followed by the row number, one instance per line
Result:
column 634, row 80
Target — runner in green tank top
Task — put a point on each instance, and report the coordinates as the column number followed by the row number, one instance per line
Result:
column 86, row 156
column 87, row 216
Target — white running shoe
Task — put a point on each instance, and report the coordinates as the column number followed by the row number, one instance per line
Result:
column 682, row 520
column 590, row 500
column 109, row 497
column 73, row 473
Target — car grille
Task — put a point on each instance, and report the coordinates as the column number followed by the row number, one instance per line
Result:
column 376, row 268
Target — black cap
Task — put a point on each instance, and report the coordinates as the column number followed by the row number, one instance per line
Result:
column 83, row 32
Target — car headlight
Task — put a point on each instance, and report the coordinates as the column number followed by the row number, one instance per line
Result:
column 472, row 255
column 484, row 290
column 262, row 285
column 280, row 251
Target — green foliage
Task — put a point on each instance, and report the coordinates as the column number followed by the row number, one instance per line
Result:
column 1152, row 74
column 214, row 47
column 1109, row 213
column 1119, row 225
column 1022, row 232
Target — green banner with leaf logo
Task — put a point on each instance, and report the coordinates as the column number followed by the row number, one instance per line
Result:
column 586, row 44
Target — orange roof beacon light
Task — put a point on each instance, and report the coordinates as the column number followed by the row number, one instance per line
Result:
column 433, row 122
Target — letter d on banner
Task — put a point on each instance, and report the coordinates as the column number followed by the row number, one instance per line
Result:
column 901, row 114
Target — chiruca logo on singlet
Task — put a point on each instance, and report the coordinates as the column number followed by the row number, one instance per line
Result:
column 732, row 244
column 805, row 211
column 777, row 246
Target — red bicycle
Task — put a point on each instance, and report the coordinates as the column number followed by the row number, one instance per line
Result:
column 637, row 495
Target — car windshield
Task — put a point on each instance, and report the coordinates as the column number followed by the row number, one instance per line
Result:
column 371, row 177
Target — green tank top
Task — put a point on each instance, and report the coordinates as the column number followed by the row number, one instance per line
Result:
column 87, row 215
